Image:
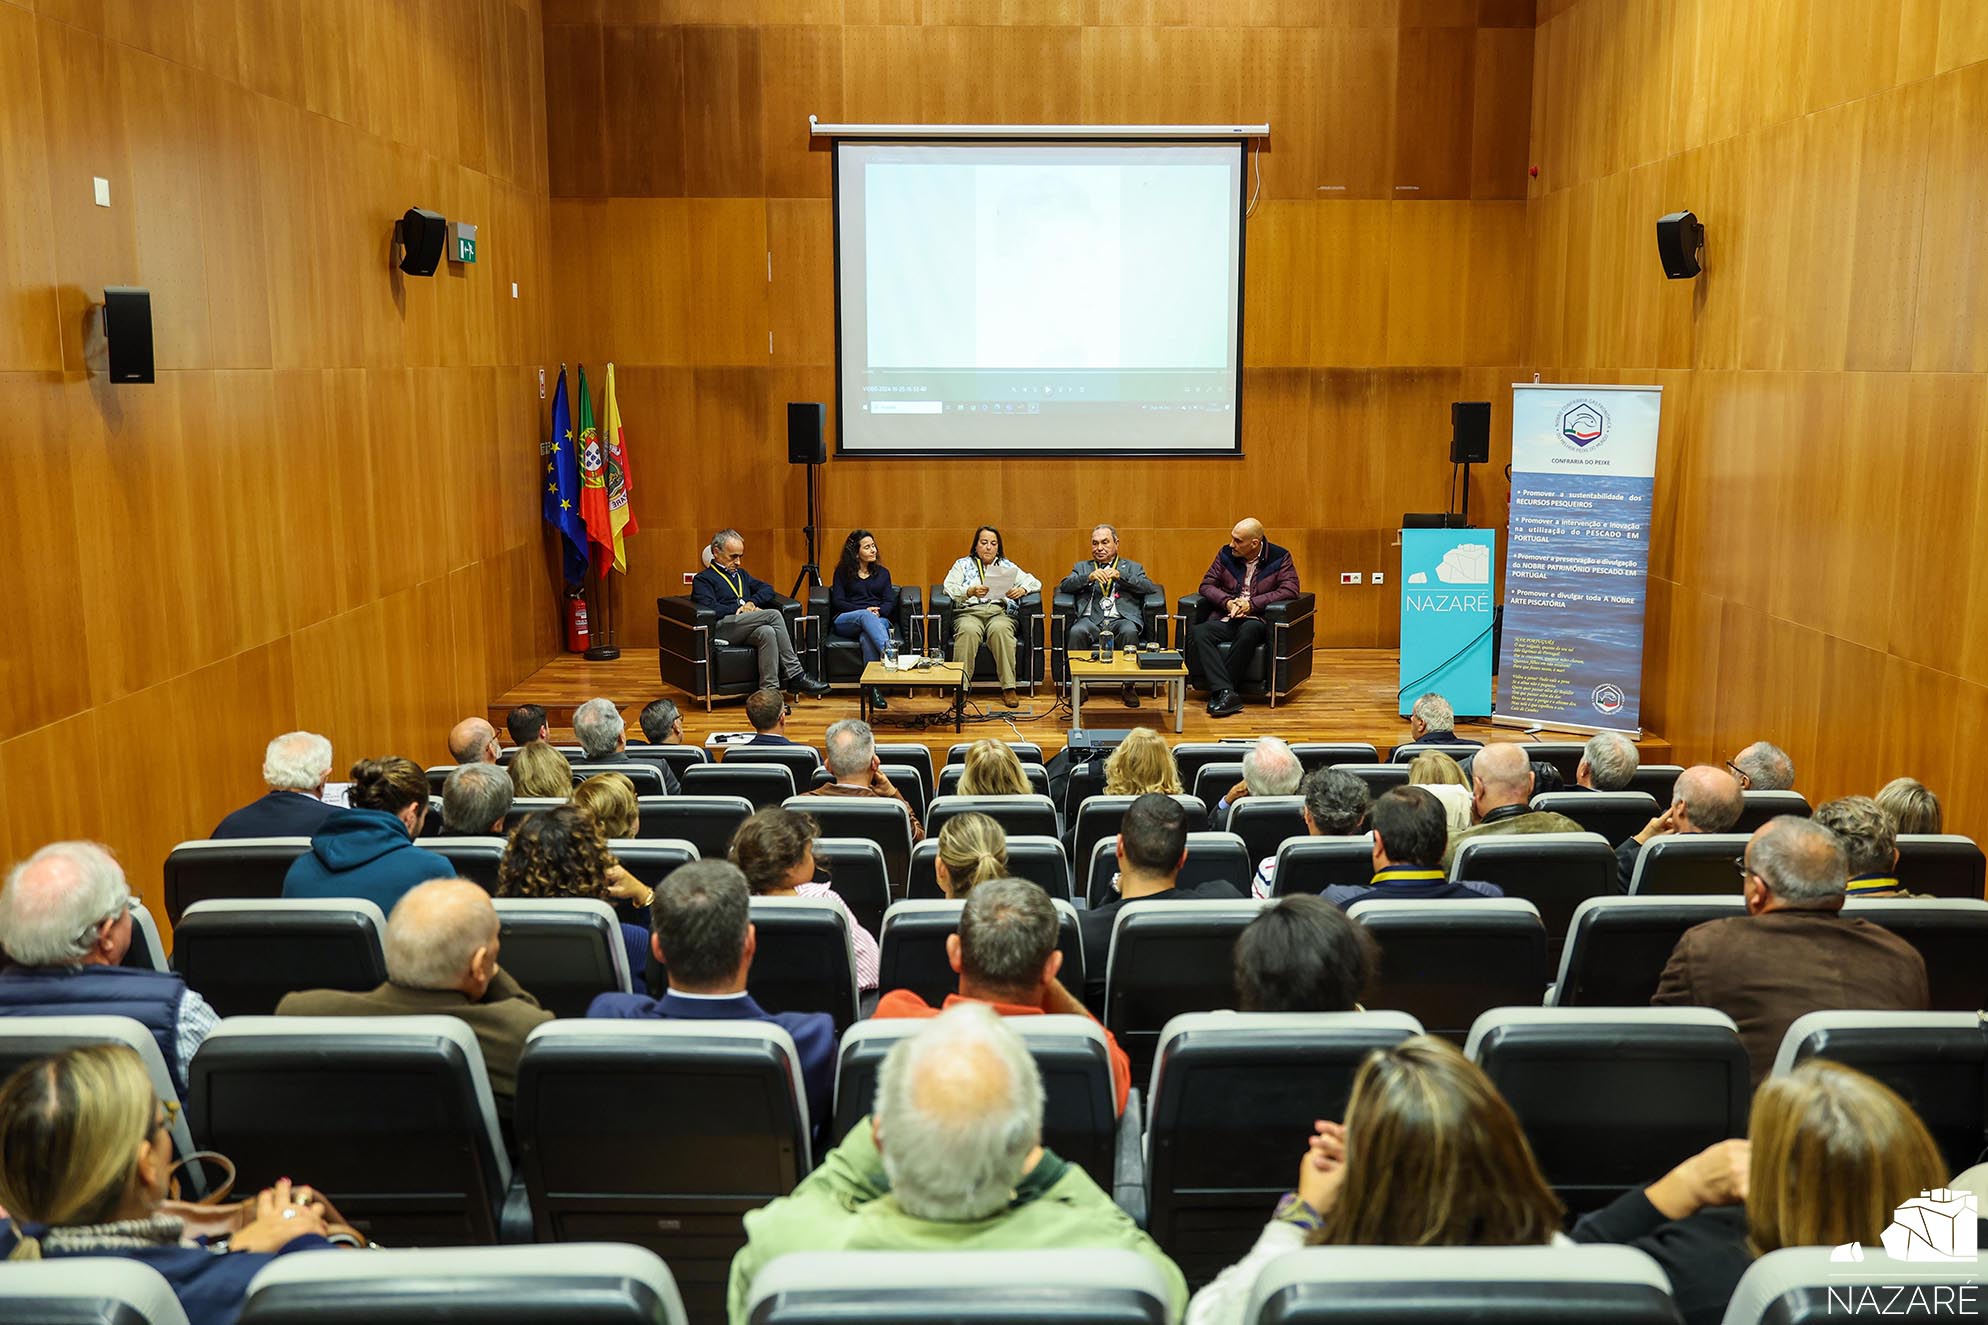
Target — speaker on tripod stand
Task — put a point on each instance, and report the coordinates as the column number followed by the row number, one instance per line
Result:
column 805, row 446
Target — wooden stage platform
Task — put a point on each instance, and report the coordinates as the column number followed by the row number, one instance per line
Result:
column 1350, row 697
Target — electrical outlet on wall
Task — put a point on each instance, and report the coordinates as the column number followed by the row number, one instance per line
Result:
column 1349, row 577
column 1377, row 577
column 689, row 575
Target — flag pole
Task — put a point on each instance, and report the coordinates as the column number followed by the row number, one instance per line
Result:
column 603, row 613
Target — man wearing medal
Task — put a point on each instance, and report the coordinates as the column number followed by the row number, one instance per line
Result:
column 1111, row 592
column 747, row 616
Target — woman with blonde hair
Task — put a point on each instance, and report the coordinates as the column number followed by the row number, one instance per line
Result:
column 85, row 1169
column 540, row 770
column 1443, row 778
column 993, row 769
column 775, row 849
column 1909, row 802
column 1141, row 763
column 610, row 798
column 1429, row 1155
column 972, row 849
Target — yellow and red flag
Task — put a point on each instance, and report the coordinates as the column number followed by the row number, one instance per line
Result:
column 620, row 478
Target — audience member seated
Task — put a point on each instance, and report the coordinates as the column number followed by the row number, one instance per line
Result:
column 852, row 761
column 563, row 853
column 701, row 930
column 1304, row 955
column 367, row 850
column 952, row 1160
column 1703, row 800
column 1443, row 778
column 775, row 851
column 1336, row 805
column 611, row 799
column 85, row 1168
column 1005, row 955
column 1142, row 763
column 540, row 770
column 475, row 799
column 1763, row 767
column 1830, row 1152
column 1870, row 846
column 1794, row 951
column 662, row 722
column 603, row 738
column 1608, row 761
column 972, row 849
column 766, row 710
column 527, row 723
column 1501, row 785
column 992, row 768
column 294, row 768
column 474, row 741
column 441, row 948
column 1410, row 829
column 1912, row 807
column 1152, row 846
column 65, row 923
column 1270, row 768
column 1431, row 721
column 1428, row 1155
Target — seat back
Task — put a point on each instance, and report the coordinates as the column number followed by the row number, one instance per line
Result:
column 572, row 752
column 1556, row 872
column 1091, row 1287
column 653, row 859
column 1190, row 757
column 398, row 1107
column 857, row 873
column 1565, row 756
column 1211, row 782
column 89, row 1290
column 566, row 951
column 1943, row 864
column 763, row 784
column 1609, row 1096
column 243, row 957
column 1951, row 933
column 648, row 779
column 1616, row 815
column 601, row 1283
column 1026, row 751
column 524, row 807
column 1405, row 754
column 913, row 948
column 706, row 822
column 240, row 867
column 1039, row 859
column 916, row 756
column 1484, row 1285
column 475, row 858
column 147, row 951
column 24, row 1039
column 873, row 818
column 1332, row 754
column 1936, row 1061
column 1659, row 781
column 800, row 760
column 1446, row 963
column 1810, row 1286
column 678, row 757
column 805, row 960
column 950, row 775
column 905, row 777
column 1167, row 958
column 688, row 1125
column 1263, row 822
column 1029, row 816
column 1211, row 858
column 1100, row 816
column 1759, row 806
column 1313, row 864
column 1080, row 1103
column 1617, row 947
column 1233, row 1099
column 1688, row 865
column 1378, row 777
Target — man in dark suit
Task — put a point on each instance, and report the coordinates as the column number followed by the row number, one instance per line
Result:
column 700, row 927
column 1704, row 800
column 441, row 948
column 766, row 710
column 1431, row 721
column 527, row 723
column 603, row 738
column 1111, row 600
column 294, row 767
column 1794, row 951
column 1410, row 830
column 746, row 615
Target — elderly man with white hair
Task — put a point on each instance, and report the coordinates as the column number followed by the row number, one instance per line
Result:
column 295, row 768
column 441, row 949
column 65, row 923
column 603, row 736
column 1608, row 761
column 1501, row 799
column 951, row 1160
column 1431, row 721
column 1270, row 768
column 850, row 751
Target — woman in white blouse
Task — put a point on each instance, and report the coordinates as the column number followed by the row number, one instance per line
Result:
column 979, row 615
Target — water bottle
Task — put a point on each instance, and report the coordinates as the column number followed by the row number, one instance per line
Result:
column 890, row 651
column 1109, row 641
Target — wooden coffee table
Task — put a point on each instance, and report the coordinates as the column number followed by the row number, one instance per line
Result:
column 939, row 676
column 1123, row 667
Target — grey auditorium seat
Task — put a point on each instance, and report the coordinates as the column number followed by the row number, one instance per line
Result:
column 763, row 784
column 1447, row 962
column 1094, row 1287
column 475, row 858
column 1936, row 1061
column 1168, row 958
column 1037, row 859
column 1026, row 816
column 1100, row 816
column 1264, row 822
column 229, row 868
column 1556, row 872
column 1659, row 780
column 1332, row 754
column 566, row 951
column 875, row 818
column 1211, row 858
column 917, row 756
column 1951, row 933
column 524, row 807
column 805, row 959
column 706, row 822
column 653, row 859
column 1565, row 756
column 1029, row 752
column 1190, row 757
column 800, row 760
column 857, row 873
column 88, row 1290
column 1232, row 1103
column 1210, row 783
column 1688, row 864
column 1379, row 777
column 950, row 775
column 1483, row 1285
column 147, row 951
column 913, row 947
column 243, row 957
column 1617, row 947
column 1614, row 1097
column 597, row 1283
column 1807, row 1286
column 678, row 757
column 1758, row 807
column 572, row 752
column 1616, row 815
column 1406, row 754
column 647, row 778
column 1943, row 864
column 1313, row 864
column 663, row 1134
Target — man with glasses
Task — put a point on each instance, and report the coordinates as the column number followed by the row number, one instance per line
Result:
column 65, row 921
column 1703, row 800
column 1111, row 595
column 1794, row 951
column 746, row 615
column 1248, row 575
column 1763, row 767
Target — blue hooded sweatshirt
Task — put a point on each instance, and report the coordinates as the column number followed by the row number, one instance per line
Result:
column 363, row 853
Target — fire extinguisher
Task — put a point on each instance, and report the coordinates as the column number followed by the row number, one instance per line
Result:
column 576, row 622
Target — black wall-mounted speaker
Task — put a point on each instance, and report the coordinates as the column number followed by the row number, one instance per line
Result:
column 128, row 332
column 805, row 421
column 1681, row 244
column 1470, row 432
column 422, row 234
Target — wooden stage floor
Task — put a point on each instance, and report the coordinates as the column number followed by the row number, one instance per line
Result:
column 1350, row 697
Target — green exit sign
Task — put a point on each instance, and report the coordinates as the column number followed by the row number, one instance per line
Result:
column 465, row 250
column 462, row 242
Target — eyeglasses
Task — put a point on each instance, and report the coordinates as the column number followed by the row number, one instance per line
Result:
column 1739, row 863
column 1745, row 779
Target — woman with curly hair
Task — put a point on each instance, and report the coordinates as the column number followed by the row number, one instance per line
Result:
column 563, row 853
column 1140, row 764
column 862, row 602
column 776, row 851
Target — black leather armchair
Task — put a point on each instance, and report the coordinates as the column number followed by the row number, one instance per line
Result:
column 839, row 661
column 1029, row 653
column 690, row 657
column 1153, row 606
column 1281, row 666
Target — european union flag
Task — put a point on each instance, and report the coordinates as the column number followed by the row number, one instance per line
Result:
column 560, row 504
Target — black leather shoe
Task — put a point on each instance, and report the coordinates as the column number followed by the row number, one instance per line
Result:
column 1130, row 694
column 803, row 684
column 877, row 700
column 1225, row 704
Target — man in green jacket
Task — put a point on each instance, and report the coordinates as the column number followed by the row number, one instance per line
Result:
column 952, row 1161
column 1501, row 798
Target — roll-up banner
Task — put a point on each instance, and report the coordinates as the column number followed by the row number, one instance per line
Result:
column 1446, row 617
column 1577, row 557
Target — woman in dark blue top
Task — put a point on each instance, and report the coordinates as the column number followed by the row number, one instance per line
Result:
column 862, row 600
